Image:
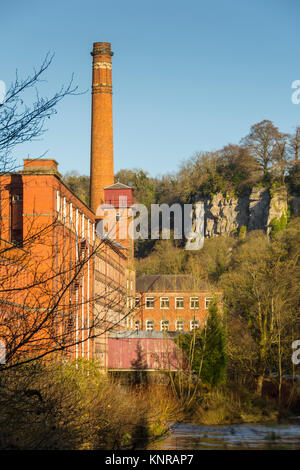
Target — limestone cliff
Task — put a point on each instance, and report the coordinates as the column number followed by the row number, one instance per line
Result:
column 225, row 215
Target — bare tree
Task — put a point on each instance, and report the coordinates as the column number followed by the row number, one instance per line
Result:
column 22, row 122
column 261, row 142
column 281, row 157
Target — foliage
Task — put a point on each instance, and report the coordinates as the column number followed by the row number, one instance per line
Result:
column 278, row 225
column 79, row 184
column 73, row 406
column 206, row 349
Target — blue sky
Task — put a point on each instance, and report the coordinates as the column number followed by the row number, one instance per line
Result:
column 187, row 76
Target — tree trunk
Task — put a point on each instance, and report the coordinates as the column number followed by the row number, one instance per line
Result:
column 259, row 385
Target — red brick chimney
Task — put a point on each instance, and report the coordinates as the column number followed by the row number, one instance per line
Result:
column 102, row 160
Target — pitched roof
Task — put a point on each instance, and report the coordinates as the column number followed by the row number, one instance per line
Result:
column 118, row 185
column 169, row 282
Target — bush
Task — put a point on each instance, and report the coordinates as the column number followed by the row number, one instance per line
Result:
column 74, row 406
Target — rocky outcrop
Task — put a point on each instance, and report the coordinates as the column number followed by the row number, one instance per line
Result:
column 225, row 215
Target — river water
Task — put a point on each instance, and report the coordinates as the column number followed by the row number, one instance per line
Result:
column 186, row 436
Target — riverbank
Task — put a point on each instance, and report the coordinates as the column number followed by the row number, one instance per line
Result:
column 61, row 406
column 237, row 405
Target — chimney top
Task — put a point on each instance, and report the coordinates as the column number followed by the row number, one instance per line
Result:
column 102, row 48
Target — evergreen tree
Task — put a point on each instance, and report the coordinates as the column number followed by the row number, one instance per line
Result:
column 206, row 348
column 214, row 351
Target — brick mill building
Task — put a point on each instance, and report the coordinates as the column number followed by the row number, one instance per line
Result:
column 63, row 286
column 67, row 278
column 169, row 302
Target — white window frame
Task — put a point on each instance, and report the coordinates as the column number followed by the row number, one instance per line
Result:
column 57, row 202
column 146, row 300
column 179, row 299
column 77, row 221
column 162, row 325
column 194, row 325
column 207, row 302
column 164, row 299
column 181, row 322
column 151, row 322
column 82, row 225
column 194, row 299
column 64, row 208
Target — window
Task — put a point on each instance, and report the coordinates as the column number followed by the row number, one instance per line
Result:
column 179, row 302
column 64, row 208
column 179, row 325
column 57, row 201
column 149, row 325
column 127, row 283
column 194, row 325
column 82, row 226
column 164, row 325
column 137, row 301
column 194, row 303
column 207, row 301
column 118, row 216
column 149, row 302
column 137, row 325
column 129, row 302
column 164, row 302
column 16, row 198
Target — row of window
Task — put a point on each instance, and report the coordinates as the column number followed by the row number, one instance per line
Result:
column 165, row 325
column 165, row 302
column 72, row 217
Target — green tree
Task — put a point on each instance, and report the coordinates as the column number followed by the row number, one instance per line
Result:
column 79, row 184
column 206, row 348
column 214, row 352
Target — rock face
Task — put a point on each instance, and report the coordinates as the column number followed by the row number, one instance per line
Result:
column 225, row 215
